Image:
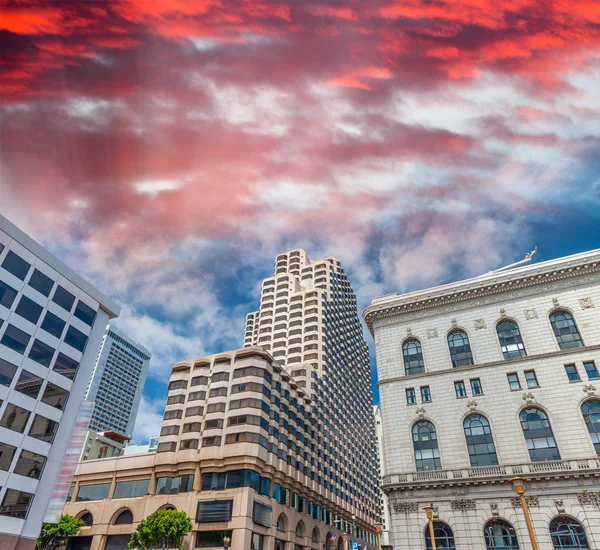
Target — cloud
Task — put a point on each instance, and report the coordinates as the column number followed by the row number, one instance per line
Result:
column 149, row 420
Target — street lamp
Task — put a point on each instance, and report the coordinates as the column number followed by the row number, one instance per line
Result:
column 519, row 484
column 378, row 530
column 226, row 542
column 429, row 511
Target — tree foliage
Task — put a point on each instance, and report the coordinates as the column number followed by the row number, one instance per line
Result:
column 54, row 535
column 161, row 530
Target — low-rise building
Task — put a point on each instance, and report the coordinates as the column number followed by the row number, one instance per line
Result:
column 102, row 445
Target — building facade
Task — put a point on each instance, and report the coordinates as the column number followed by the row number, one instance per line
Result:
column 102, row 445
column 117, row 383
column 383, row 500
column 150, row 447
column 484, row 380
column 51, row 324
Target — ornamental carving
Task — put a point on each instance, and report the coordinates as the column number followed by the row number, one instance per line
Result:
column 528, row 397
column 463, row 504
column 494, row 509
column 432, row 333
column 502, row 312
column 531, row 313
column 420, row 411
column 472, row 404
column 454, row 323
column 588, row 498
column 531, row 501
column 590, row 389
column 586, row 303
column 560, row 507
column 409, row 331
column 479, row 324
column 406, row 507
column 555, row 302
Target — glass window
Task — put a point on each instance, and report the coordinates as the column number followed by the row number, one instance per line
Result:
column 28, row 309
column 411, row 397
column 531, row 379
column 427, row 454
column 7, row 452
column 43, row 428
column 591, row 416
column 124, row 518
column 29, row 384
column 130, row 489
column 66, row 366
column 513, row 381
column 85, row 313
column 16, row 265
column 444, row 538
column 476, row 386
column 93, row 492
column 281, row 522
column 590, row 369
column 7, row 295
column 212, row 539
column 41, row 353
column 15, row 339
column 480, row 442
column 16, row 504
column 185, row 444
column 459, row 388
column 425, row 394
column 538, row 434
column 174, row 485
column 257, row 542
column 413, row 357
column 510, row 340
column 87, row 518
column 15, row 418
column 63, row 298
column 572, row 373
column 55, row 396
column 210, row 511
column 500, row 534
column 53, row 324
column 460, row 349
column 76, row 338
column 40, row 282
column 565, row 330
column 567, row 534
column 7, row 372
column 30, row 464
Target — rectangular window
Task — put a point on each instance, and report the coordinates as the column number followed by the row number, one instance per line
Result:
column 63, row 298
column 75, row 338
column 15, row 418
column 459, row 388
column 191, row 427
column 177, row 385
column 85, row 313
column 590, row 369
column 257, row 540
column 513, row 381
column 16, row 265
column 196, row 395
column 215, row 407
column 28, row 309
column 531, row 379
column 30, row 464
column 166, row 447
column 170, row 430
column 171, row 415
column 29, row 384
column 7, row 452
column 213, row 424
column 55, row 396
column 43, row 428
column 189, row 444
column 572, row 373
column 16, row 504
column 15, row 339
column 262, row 515
column 199, row 381
column 66, row 366
column 194, row 411
column 210, row 511
column 213, row 441
column 93, row 492
column 218, row 392
column 174, row 485
column 7, row 295
column 175, row 399
column 53, row 324
column 425, row 394
column 212, row 539
column 40, row 282
column 411, row 398
column 7, row 372
column 41, row 353
column 131, row 489
column 476, row 386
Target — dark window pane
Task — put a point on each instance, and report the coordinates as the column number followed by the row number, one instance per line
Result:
column 211, row 539
column 510, row 340
column 55, row 396
column 29, row 384
column 93, row 492
column 66, row 366
column 16, row 265
column 43, row 428
column 53, row 324
column 15, row 339
column 63, row 298
column 75, row 338
column 591, row 416
column 538, row 435
column 16, row 504
column 124, row 518
column 7, row 452
column 568, row 534
column 42, row 353
column 460, row 349
column 28, row 309
column 565, row 330
column 444, row 538
column 427, row 454
column 85, row 313
column 590, row 369
column 209, row 511
column 7, row 372
column 480, row 442
column 7, row 294
column 117, row 542
column 41, row 282
column 413, row 357
column 129, row 489
column 15, row 418
column 30, row 464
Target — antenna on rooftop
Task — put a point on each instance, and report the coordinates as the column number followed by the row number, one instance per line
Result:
column 525, row 260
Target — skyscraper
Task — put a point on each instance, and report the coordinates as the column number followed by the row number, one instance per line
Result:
column 51, row 323
column 117, row 383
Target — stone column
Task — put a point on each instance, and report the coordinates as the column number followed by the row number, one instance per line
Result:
column 152, row 484
column 113, row 483
column 197, row 478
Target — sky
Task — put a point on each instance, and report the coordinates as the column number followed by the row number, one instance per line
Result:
column 168, row 151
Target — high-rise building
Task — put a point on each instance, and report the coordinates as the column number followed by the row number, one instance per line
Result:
column 51, row 324
column 486, row 380
column 383, row 500
column 117, row 383
column 274, row 453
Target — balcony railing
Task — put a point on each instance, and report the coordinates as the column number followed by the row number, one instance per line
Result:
column 531, row 468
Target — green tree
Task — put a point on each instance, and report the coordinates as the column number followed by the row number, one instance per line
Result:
column 161, row 530
column 54, row 535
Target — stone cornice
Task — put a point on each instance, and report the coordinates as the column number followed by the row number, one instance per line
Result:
column 585, row 266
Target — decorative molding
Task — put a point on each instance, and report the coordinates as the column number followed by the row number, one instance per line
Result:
column 560, row 507
column 472, row 404
column 435, row 513
column 420, row 411
column 409, row 331
column 590, row 389
column 531, row 501
column 463, row 504
column 454, row 323
column 586, row 303
column 555, row 302
column 479, row 324
column 502, row 312
column 405, row 507
column 531, row 313
column 589, row 499
column 432, row 333
column 528, row 397
column 494, row 509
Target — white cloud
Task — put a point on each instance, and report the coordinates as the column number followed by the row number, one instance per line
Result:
column 154, row 187
column 149, row 420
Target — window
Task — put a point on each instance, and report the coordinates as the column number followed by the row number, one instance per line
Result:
column 460, row 349
column 427, row 454
column 591, row 416
column 476, row 386
column 66, row 366
column 53, row 324
column 444, row 538
column 567, row 534
column 425, row 394
column 572, row 373
column 85, row 313
column 174, row 414
column 55, row 396
column 281, row 522
column 538, row 434
column 63, row 298
column 30, row 464
column 175, row 399
column 213, row 424
column 500, row 534
column 41, row 353
column 411, row 398
column 413, row 357
column 29, row 384
column 7, row 452
column 93, row 492
column 130, row 489
column 16, row 504
column 459, row 388
column 213, row 441
column 7, row 372
column 171, row 430
column 188, row 444
column 531, row 379
column 256, row 541
column 76, row 339
column 15, row 339
column 510, row 340
column 199, row 381
column 513, row 381
column 300, row 529
column 87, row 518
column 209, row 511
column 40, row 282
column 565, row 330
column 16, row 265
column 28, row 309
column 590, row 369
column 7, row 295
column 262, row 514
column 211, row 539
column 15, row 418
column 166, row 447
column 174, row 485
column 196, row 395
column 124, row 518
column 480, row 442
column 43, row 428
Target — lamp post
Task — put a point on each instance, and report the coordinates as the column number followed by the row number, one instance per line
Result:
column 519, row 484
column 345, row 539
column 226, row 542
column 429, row 512
column 378, row 530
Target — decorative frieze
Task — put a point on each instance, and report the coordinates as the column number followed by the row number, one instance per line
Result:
column 588, row 498
column 586, row 303
column 528, row 397
column 420, row 411
column 560, row 507
column 590, row 389
column 472, row 404
column 531, row 501
column 463, row 504
column 432, row 333
column 454, row 323
column 479, row 324
column 531, row 313
column 494, row 509
column 405, row 507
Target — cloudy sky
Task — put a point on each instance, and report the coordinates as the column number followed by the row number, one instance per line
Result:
column 169, row 150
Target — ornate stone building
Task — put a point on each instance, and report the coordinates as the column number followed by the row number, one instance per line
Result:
column 484, row 380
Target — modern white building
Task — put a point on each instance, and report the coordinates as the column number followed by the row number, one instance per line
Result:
column 150, row 447
column 488, row 379
column 385, row 512
column 51, row 324
column 117, row 383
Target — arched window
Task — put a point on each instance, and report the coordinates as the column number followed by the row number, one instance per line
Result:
column 567, row 533
column 413, row 357
column 87, row 519
column 539, row 436
column 299, row 529
column 460, row 349
column 444, row 538
column 315, row 535
column 427, row 454
column 500, row 534
column 591, row 416
column 281, row 523
column 124, row 518
column 565, row 330
column 510, row 340
column 480, row 442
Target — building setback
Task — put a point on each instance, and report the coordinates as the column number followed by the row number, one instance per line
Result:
column 51, row 323
column 485, row 380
